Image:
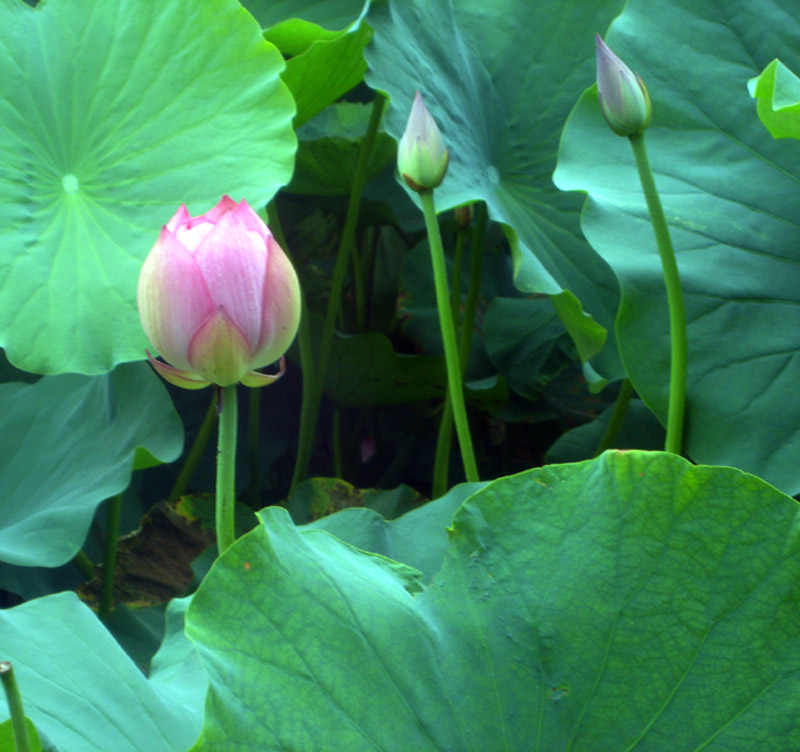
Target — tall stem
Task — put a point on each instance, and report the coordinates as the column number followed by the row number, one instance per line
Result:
column 677, row 312
column 113, row 513
column 454, row 380
column 309, row 425
column 441, row 465
column 226, row 468
column 17, row 712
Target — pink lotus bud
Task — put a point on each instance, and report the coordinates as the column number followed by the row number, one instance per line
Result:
column 421, row 154
column 623, row 95
column 218, row 298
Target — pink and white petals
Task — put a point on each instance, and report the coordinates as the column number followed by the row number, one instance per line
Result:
column 233, row 261
column 173, row 299
column 218, row 298
column 280, row 307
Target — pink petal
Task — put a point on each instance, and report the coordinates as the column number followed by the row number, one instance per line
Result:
column 256, row 380
column 219, row 351
column 226, row 204
column 173, row 299
column 175, row 376
column 233, row 261
column 280, row 308
column 180, row 217
column 252, row 221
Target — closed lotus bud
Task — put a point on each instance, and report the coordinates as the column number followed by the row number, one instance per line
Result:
column 421, row 154
column 218, row 298
column 623, row 95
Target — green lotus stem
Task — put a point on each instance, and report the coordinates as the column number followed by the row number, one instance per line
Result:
column 444, row 440
column 611, row 433
column 84, row 565
column 196, row 452
column 253, row 415
column 677, row 312
column 22, row 741
column 226, row 468
column 113, row 513
column 451, row 355
column 309, row 425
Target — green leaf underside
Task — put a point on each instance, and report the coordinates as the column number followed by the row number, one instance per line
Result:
column 67, row 443
column 114, row 114
column 631, row 602
column 82, row 690
column 476, row 70
column 731, row 198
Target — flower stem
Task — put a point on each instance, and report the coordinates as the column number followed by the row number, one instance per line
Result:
column 226, row 468
column 113, row 512
column 677, row 312
column 454, row 380
column 441, row 465
column 617, row 416
column 196, row 452
column 14, row 699
column 308, row 425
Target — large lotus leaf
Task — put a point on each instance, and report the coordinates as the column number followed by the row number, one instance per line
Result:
column 500, row 79
column 67, row 443
column 630, row 602
column 730, row 194
column 82, row 691
column 115, row 113
column 777, row 90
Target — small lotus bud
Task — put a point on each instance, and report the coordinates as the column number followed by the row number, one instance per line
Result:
column 623, row 95
column 421, row 154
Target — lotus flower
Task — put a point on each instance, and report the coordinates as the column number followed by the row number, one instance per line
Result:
column 421, row 154
column 218, row 298
column 623, row 95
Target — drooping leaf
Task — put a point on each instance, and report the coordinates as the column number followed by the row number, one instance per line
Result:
column 731, row 198
column 500, row 79
column 115, row 114
column 83, row 692
column 631, row 602
column 66, row 444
